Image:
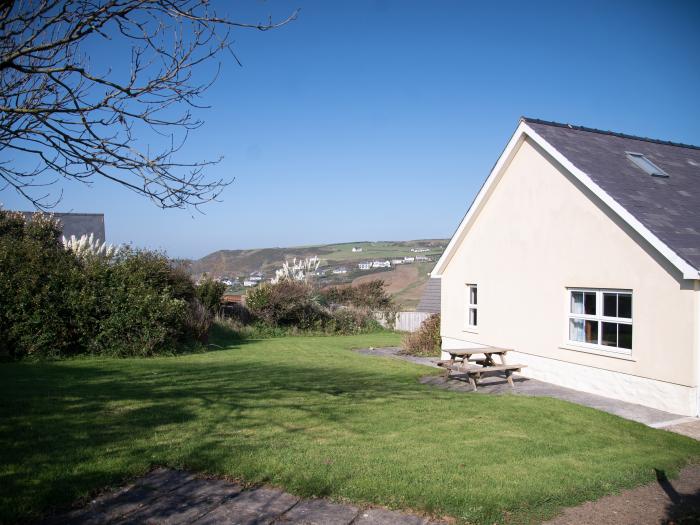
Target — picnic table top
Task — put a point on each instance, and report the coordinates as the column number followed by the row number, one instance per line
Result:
column 484, row 350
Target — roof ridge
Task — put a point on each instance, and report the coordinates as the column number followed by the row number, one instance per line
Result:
column 612, row 133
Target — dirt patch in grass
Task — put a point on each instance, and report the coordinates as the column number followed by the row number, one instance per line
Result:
column 666, row 501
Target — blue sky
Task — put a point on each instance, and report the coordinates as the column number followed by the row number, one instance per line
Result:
column 379, row 120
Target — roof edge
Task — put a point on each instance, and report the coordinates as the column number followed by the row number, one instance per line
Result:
column 610, row 133
column 687, row 270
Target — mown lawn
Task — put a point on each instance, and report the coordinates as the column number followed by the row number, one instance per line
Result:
column 309, row 415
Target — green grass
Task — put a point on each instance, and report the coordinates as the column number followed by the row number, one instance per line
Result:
column 309, row 415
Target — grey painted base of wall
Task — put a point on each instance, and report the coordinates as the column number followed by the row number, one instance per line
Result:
column 669, row 397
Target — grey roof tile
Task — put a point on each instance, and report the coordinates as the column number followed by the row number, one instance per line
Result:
column 668, row 207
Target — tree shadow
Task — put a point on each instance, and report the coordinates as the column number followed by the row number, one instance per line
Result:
column 684, row 508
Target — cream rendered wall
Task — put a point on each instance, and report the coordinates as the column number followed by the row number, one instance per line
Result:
column 540, row 232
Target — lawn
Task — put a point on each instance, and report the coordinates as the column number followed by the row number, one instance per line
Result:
column 307, row 414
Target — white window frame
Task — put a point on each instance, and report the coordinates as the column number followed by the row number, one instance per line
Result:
column 600, row 318
column 472, row 306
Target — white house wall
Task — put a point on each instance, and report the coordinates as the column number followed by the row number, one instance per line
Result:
column 539, row 232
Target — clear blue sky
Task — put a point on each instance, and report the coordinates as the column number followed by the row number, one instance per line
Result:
column 379, row 120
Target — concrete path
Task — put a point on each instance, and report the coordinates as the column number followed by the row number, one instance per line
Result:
column 174, row 497
column 496, row 384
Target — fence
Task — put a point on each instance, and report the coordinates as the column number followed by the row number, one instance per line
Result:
column 407, row 321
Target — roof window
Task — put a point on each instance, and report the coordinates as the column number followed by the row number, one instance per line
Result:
column 645, row 164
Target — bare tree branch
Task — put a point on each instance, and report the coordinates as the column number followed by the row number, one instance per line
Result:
column 66, row 115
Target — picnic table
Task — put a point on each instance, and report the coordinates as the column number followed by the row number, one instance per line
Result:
column 461, row 361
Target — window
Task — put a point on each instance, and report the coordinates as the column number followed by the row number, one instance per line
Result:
column 601, row 319
column 472, row 306
column 645, row 164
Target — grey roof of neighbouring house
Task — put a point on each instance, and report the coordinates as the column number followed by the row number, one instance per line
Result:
column 668, row 207
column 78, row 224
column 430, row 300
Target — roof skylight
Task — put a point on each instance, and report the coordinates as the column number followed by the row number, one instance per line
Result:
column 645, row 164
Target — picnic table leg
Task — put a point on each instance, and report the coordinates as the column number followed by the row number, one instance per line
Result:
column 509, row 378
column 472, row 382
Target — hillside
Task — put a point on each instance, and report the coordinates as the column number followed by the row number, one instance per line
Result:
column 404, row 282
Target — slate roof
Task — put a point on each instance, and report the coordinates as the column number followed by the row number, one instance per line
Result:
column 668, row 207
column 78, row 224
column 430, row 300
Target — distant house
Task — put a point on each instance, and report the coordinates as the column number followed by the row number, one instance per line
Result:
column 423, row 258
column 397, row 261
column 408, row 260
column 356, row 250
column 365, row 266
column 341, row 270
column 251, row 282
column 419, row 250
column 256, row 276
column 381, row 264
column 77, row 224
column 581, row 252
column 320, row 273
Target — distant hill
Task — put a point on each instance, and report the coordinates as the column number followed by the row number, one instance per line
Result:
column 405, row 282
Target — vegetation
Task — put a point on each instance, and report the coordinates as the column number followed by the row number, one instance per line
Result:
column 308, row 415
column 58, row 302
column 302, row 307
column 426, row 340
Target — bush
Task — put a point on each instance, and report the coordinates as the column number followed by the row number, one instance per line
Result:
column 350, row 320
column 287, row 303
column 55, row 303
column 425, row 341
column 209, row 293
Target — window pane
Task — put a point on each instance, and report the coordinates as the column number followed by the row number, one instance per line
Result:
column 576, row 331
column 472, row 317
column 625, row 341
column 609, row 305
column 472, row 295
column 609, row 335
column 624, row 306
column 576, row 302
column 589, row 303
column 592, row 332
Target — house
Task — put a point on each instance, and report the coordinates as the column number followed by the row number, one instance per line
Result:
column 340, row 270
column 408, row 260
column 381, row 264
column 423, row 258
column 77, row 224
column 251, row 282
column 356, row 250
column 420, row 250
column 581, row 252
column 256, row 276
column 364, row 265
column 396, row 261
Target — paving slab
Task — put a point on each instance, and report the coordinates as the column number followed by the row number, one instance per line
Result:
column 319, row 512
column 495, row 383
column 388, row 517
column 251, row 507
column 689, row 428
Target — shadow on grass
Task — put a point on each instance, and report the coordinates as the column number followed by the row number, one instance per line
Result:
column 69, row 428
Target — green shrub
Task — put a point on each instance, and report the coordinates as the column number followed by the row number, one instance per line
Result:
column 426, row 340
column 54, row 303
column 209, row 293
column 39, row 282
column 350, row 320
column 287, row 303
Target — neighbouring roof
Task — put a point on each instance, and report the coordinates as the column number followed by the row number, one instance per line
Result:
column 668, row 207
column 430, row 300
column 78, row 224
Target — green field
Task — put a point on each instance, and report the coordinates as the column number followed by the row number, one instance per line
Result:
column 311, row 416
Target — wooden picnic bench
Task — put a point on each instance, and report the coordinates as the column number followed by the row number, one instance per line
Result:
column 461, row 361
